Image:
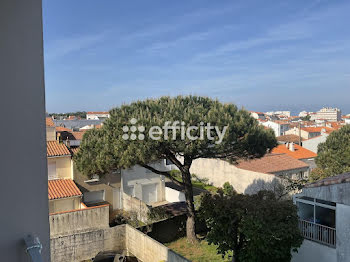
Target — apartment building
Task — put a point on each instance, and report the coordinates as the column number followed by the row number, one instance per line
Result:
column 327, row 113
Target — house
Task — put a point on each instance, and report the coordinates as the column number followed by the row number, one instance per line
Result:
column 297, row 152
column 279, row 127
column 312, row 143
column 97, row 115
column 50, row 129
column 289, row 139
column 324, row 211
column 64, row 195
column 250, row 176
column 309, row 132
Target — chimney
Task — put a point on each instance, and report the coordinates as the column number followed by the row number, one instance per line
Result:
column 67, row 142
column 291, row 147
column 287, row 145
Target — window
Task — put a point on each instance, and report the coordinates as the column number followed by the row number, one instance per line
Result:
column 52, row 174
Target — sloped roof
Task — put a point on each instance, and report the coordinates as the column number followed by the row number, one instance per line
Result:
column 62, row 129
column 342, row 178
column 289, row 138
column 272, row 163
column 298, row 153
column 54, row 148
column 61, row 188
column 49, row 121
column 317, row 129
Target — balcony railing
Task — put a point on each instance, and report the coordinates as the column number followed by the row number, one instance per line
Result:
column 318, row 233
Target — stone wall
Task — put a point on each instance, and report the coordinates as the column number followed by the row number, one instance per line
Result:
column 86, row 245
column 132, row 204
column 70, row 222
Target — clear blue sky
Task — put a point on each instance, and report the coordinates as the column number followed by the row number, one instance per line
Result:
column 258, row 54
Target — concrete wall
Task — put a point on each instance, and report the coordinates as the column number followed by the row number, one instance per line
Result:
column 63, row 166
column 64, row 204
column 66, row 223
column 147, row 249
column 132, row 204
column 87, row 244
column 50, row 133
column 243, row 181
column 137, row 176
column 22, row 103
column 343, row 232
column 312, row 251
column 107, row 183
column 338, row 193
column 172, row 195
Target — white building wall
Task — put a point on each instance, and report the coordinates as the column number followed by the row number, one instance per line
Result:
column 172, row 195
column 134, row 178
column 312, row 144
column 313, row 252
column 343, row 232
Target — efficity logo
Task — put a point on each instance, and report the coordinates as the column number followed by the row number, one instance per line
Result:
column 174, row 130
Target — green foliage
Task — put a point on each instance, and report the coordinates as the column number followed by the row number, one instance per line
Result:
column 244, row 137
column 228, row 189
column 105, row 149
column 121, row 217
column 81, row 114
column 306, row 118
column 255, row 227
column 334, row 154
column 157, row 214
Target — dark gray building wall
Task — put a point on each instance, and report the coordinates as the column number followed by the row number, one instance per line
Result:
column 23, row 187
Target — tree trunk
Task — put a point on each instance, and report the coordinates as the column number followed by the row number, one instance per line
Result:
column 191, row 215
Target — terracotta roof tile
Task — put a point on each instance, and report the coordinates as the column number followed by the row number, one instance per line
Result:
column 54, row 148
column 298, row 153
column 62, row 129
column 74, row 150
column 342, row 178
column 61, row 188
column 317, row 129
column 289, row 138
column 49, row 121
column 272, row 163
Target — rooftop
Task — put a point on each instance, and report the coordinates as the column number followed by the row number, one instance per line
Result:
column 54, row 148
column 61, row 188
column 342, row 178
column 289, row 138
column 272, row 163
column 49, row 121
column 298, row 153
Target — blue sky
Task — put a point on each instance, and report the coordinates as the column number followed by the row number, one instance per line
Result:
column 262, row 55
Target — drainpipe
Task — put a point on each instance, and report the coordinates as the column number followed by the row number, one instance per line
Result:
column 34, row 248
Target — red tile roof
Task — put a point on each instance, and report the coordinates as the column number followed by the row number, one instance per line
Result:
column 272, row 163
column 62, row 129
column 78, row 135
column 49, row 121
column 317, row 129
column 54, row 148
column 74, row 150
column 61, row 188
column 289, row 138
column 298, row 153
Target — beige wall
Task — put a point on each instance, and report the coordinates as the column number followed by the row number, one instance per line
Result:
column 50, row 133
column 63, row 166
column 132, row 204
column 243, row 181
column 107, row 183
column 79, row 220
column 304, row 134
column 64, row 204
